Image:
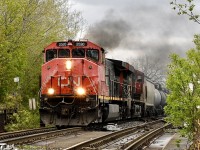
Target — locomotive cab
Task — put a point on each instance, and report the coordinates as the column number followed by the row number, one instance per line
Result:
column 72, row 77
column 70, row 61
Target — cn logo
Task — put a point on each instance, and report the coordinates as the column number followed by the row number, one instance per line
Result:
column 64, row 81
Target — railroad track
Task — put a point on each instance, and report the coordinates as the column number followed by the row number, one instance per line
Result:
column 7, row 135
column 35, row 135
column 145, row 139
column 143, row 134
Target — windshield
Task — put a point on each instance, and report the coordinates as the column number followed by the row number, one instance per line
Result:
column 78, row 53
column 93, row 54
column 50, row 54
column 63, row 53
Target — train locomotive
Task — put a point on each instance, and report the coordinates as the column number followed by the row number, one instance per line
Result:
column 79, row 86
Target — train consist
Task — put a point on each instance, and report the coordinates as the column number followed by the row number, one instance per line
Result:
column 80, row 86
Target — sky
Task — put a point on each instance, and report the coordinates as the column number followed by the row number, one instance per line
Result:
column 134, row 28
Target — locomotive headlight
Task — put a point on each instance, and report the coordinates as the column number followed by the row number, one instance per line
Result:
column 51, row 91
column 81, row 91
column 68, row 64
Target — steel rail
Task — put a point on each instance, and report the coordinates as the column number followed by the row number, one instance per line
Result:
column 144, row 139
column 98, row 142
column 6, row 135
column 32, row 138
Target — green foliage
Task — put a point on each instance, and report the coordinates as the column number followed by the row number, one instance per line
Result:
column 12, row 101
column 186, row 7
column 23, row 119
column 178, row 142
column 26, row 27
column 32, row 147
column 183, row 81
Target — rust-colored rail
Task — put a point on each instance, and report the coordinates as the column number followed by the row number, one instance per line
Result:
column 7, row 135
column 31, row 138
column 144, row 139
column 98, row 142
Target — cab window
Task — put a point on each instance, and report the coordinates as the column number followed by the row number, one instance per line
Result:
column 93, row 54
column 51, row 54
column 78, row 53
column 63, row 53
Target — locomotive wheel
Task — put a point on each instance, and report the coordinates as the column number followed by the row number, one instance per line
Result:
column 59, row 127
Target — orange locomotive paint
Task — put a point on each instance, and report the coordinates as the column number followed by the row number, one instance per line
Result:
column 75, row 70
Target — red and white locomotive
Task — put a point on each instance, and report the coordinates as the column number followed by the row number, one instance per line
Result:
column 80, row 86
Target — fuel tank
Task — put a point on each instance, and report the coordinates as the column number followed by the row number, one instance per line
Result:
column 157, row 101
column 149, row 93
column 163, row 98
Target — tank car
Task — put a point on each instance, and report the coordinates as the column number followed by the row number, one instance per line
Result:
column 80, row 86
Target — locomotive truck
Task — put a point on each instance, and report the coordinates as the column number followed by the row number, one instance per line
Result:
column 79, row 86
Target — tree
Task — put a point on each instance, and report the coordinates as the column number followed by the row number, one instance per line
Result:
column 26, row 27
column 183, row 101
column 188, row 8
column 152, row 67
column 23, row 119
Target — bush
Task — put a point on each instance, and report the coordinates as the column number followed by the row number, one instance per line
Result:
column 23, row 119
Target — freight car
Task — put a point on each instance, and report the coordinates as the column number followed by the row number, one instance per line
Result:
column 79, row 85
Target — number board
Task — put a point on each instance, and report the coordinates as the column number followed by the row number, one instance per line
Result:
column 61, row 44
column 80, row 43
